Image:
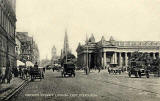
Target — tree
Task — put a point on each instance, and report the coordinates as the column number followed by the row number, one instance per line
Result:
column 70, row 57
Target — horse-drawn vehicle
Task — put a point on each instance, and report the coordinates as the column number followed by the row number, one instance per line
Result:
column 113, row 68
column 138, row 69
column 36, row 73
column 68, row 69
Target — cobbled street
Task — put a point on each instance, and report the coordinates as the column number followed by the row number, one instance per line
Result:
column 93, row 87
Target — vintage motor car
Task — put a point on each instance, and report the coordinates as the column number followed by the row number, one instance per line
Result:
column 68, row 69
column 113, row 68
column 36, row 73
column 138, row 69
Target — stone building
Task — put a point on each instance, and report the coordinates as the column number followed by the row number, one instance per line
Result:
column 35, row 53
column 18, row 47
column 29, row 49
column 7, row 33
column 106, row 52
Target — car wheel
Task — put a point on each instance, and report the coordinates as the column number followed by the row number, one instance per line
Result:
column 147, row 75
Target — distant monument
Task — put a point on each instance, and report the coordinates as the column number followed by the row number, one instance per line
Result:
column 54, row 55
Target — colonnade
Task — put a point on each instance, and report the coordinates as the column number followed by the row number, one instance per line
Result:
column 121, row 58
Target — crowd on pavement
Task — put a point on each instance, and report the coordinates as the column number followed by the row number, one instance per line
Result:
column 13, row 77
column 17, row 72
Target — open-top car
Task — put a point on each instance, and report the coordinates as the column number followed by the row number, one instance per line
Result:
column 113, row 68
column 138, row 69
column 68, row 69
column 36, row 73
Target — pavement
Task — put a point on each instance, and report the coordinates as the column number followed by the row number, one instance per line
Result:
column 93, row 87
column 7, row 90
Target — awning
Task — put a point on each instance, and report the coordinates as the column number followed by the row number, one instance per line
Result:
column 20, row 63
column 55, row 64
column 29, row 63
column 40, row 67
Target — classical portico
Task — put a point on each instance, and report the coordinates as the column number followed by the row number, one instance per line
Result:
column 104, row 53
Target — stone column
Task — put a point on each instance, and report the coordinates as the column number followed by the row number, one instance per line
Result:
column 154, row 55
column 104, row 59
column 115, row 57
column 112, row 59
column 102, row 62
column 85, row 60
column 120, row 59
column 89, row 58
column 126, row 59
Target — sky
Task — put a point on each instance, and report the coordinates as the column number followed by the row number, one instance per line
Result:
column 47, row 20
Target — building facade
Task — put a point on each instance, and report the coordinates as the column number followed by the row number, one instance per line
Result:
column 7, row 33
column 18, row 47
column 29, row 49
column 106, row 52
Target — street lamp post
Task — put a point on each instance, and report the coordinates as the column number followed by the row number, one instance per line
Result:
column 87, row 71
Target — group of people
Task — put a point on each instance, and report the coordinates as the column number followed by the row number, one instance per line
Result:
column 21, row 72
column 87, row 70
column 8, row 74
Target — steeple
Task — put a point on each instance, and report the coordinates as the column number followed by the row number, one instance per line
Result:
column 86, row 39
column 79, row 44
column 92, row 39
column 103, row 39
column 111, row 38
column 54, row 52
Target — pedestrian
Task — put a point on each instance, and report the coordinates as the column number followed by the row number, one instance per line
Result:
column 86, row 71
column 95, row 67
column 9, row 75
column 36, row 65
column 16, row 72
column 20, row 71
column 1, row 75
column 99, row 69
column 8, row 72
column 53, row 69
column 25, row 73
column 44, row 69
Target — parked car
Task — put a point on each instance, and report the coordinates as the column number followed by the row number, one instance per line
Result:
column 138, row 69
column 113, row 68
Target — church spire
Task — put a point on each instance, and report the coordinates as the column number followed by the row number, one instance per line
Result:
column 86, row 39
column 92, row 39
column 111, row 38
column 103, row 39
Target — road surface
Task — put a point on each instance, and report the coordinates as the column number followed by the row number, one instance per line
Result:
column 93, row 87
